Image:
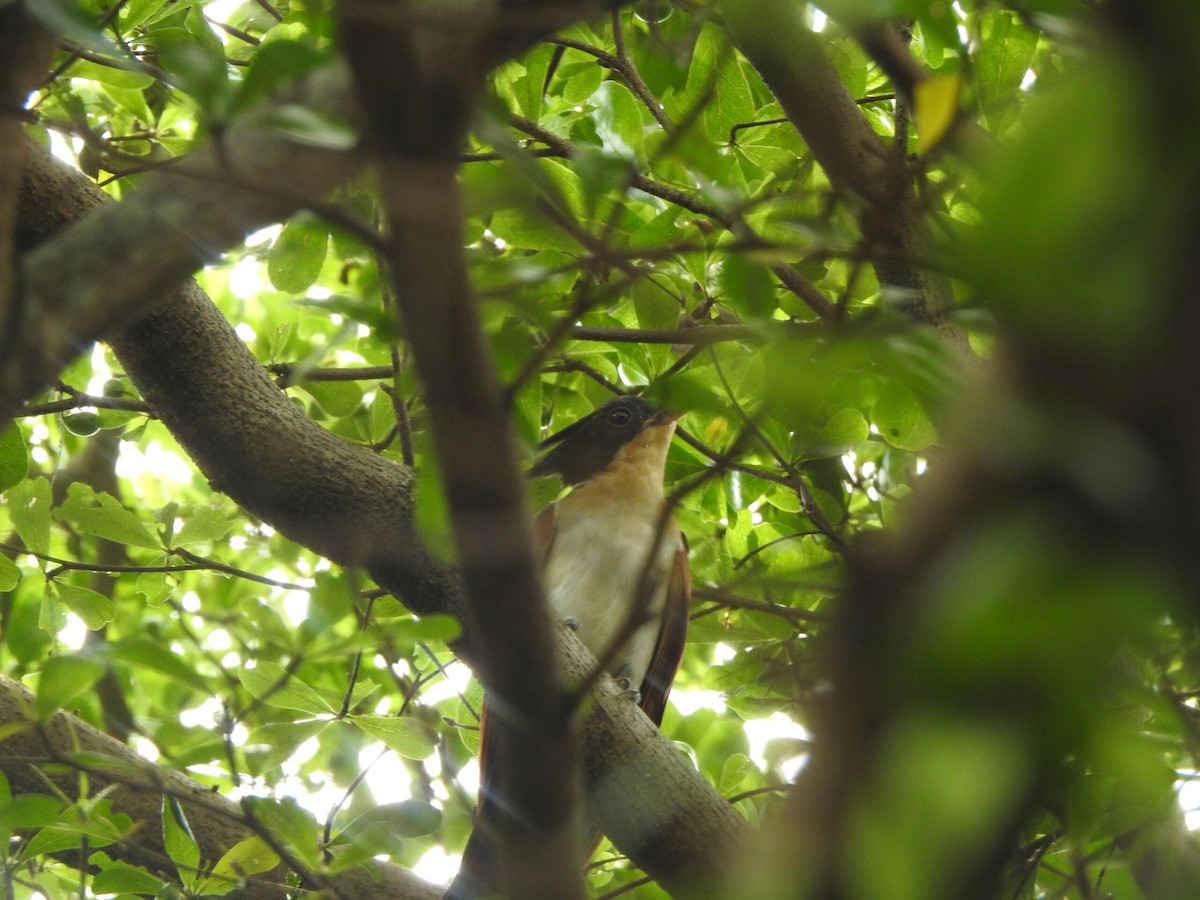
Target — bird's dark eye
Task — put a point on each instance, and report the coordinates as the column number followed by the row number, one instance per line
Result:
column 619, row 417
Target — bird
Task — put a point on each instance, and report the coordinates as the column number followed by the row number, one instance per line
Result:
column 613, row 567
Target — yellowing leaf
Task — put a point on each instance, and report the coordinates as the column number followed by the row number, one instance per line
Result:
column 935, row 105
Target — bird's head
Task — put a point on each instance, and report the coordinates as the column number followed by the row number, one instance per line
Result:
column 590, row 445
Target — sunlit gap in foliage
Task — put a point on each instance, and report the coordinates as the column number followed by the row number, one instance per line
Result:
column 165, row 466
column 1188, row 788
column 963, row 34
column 101, row 372
column 760, row 733
column 437, row 866
column 220, row 11
column 74, row 633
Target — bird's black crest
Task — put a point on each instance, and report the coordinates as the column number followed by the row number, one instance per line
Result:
column 584, row 448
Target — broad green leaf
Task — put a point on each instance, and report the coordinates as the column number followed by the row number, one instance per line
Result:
column 14, row 458
column 140, row 651
column 179, row 842
column 846, row 428
column 102, row 515
column 298, row 254
column 733, row 772
column 270, row 745
column 387, row 823
column 29, row 508
column 62, row 679
column 10, row 574
column 251, row 856
column 26, row 812
column 617, row 115
column 748, row 287
column 1005, row 56
column 202, row 525
column 296, row 826
column 272, row 684
column 52, row 616
column 119, row 878
column 337, row 398
column 154, row 586
column 278, row 60
column 901, row 419
column 443, row 628
column 92, row 607
column 407, row 735
column 655, row 306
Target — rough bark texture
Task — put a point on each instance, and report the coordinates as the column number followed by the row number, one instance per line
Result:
column 25, row 50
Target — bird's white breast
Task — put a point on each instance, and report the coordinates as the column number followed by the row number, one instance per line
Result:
column 599, row 550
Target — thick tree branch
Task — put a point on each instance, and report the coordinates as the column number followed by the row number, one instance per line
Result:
column 25, row 50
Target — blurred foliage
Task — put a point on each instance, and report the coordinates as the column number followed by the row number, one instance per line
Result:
column 244, row 659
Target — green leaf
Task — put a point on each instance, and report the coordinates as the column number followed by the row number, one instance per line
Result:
column 102, row 515
column 251, row 856
column 28, row 811
column 407, row 735
column 338, row 398
column 436, row 627
column 52, row 617
column 62, row 679
column 92, row 607
column 844, row 429
column 154, row 586
column 29, row 507
column 10, row 574
column 278, row 60
column 140, row 651
column 119, row 878
column 405, row 819
column 14, row 457
column 273, row 685
column 203, row 525
column 655, row 306
column 901, row 419
column 296, row 826
column 179, row 842
column 734, row 770
column 748, row 287
column 1005, row 56
column 296, row 257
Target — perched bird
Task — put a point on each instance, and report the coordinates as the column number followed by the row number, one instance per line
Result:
column 594, row 545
